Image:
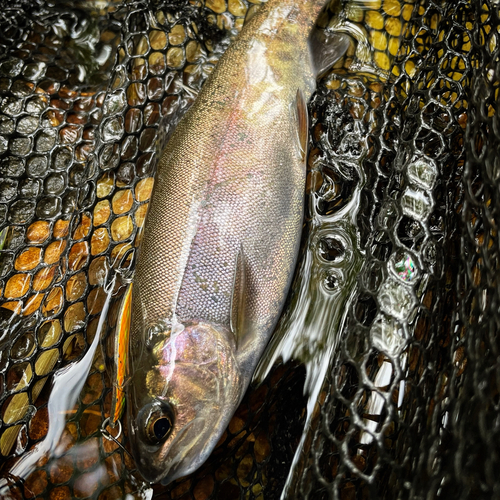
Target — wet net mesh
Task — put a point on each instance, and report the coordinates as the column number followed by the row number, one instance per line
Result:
column 409, row 409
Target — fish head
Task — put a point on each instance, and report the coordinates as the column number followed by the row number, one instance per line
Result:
column 180, row 405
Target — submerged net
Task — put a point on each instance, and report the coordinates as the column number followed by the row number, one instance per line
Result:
column 409, row 408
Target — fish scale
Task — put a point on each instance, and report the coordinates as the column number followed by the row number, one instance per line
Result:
column 176, row 202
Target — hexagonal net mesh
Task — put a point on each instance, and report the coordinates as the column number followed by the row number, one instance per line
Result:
column 400, row 248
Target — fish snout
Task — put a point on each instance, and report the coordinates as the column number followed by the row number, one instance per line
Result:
column 163, row 454
column 149, row 430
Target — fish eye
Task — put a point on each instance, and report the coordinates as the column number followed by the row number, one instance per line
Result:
column 161, row 428
column 158, row 419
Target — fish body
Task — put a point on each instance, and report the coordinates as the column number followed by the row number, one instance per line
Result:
column 221, row 240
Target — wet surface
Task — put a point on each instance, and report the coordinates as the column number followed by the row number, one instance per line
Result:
column 393, row 310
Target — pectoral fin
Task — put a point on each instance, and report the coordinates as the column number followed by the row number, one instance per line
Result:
column 302, row 119
column 237, row 315
column 326, row 49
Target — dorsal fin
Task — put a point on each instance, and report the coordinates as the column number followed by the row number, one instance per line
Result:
column 302, row 123
column 237, row 313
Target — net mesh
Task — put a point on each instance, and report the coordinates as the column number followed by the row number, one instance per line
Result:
column 409, row 409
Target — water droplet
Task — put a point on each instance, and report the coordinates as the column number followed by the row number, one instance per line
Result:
column 8, row 189
column 20, row 146
column 62, row 158
column 331, row 248
column 35, row 71
column 423, row 172
column 12, row 67
column 114, row 103
column 416, row 204
column 404, row 266
column 21, row 211
column 37, row 166
column 112, row 129
column 6, row 125
column 330, row 281
column 27, row 125
column 388, row 335
column 11, row 106
column 395, row 299
column 45, row 141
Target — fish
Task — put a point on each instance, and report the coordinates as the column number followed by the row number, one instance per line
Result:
column 221, row 238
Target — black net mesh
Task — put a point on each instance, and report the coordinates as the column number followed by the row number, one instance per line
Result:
column 409, row 407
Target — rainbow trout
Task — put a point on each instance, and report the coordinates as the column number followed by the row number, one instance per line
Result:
column 221, row 238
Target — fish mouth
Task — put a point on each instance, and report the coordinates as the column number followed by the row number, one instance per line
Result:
column 155, row 466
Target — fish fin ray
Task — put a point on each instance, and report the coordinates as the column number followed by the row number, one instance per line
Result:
column 326, row 48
